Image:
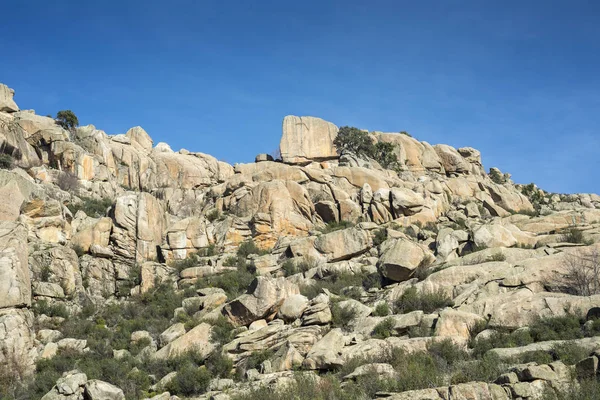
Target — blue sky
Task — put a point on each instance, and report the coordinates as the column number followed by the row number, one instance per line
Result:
column 518, row 80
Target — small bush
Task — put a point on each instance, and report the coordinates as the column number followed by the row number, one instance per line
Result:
column 248, row 247
column 384, row 329
column 190, row 380
column 291, row 267
column 497, row 257
column 336, row 226
column 219, row 365
column 213, row 215
column 94, row 208
column 6, row 161
column 556, row 328
column 51, row 310
column 574, row 235
column 501, row 340
column 222, row 330
column 337, row 283
column 67, row 119
column 234, row 283
column 189, row 262
column 382, row 310
column 538, row 356
column 569, row 353
column 379, row 237
column 411, row 300
column 257, row 358
column 342, row 317
column 448, row 351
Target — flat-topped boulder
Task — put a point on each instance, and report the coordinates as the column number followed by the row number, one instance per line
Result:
column 307, row 139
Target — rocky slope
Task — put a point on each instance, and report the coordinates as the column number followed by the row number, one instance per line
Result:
column 129, row 269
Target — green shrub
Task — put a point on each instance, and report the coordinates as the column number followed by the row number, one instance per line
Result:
column 219, row 365
column 234, row 283
column 94, row 208
column 302, row 387
column 575, row 235
column 50, row 309
column 336, row 226
column 190, row 380
column 213, row 215
column 248, row 247
column 501, row 340
column 291, row 267
column 342, row 317
column 6, row 161
column 447, row 351
column 569, row 353
column 538, row 356
column 496, row 176
column 358, row 142
column 337, row 283
column 380, row 236
column 556, row 328
column 257, row 358
column 382, row 310
column 384, row 329
column 411, row 300
column 486, row 369
column 222, row 330
column 190, row 261
column 67, row 119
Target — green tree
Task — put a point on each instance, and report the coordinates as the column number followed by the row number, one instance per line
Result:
column 355, row 141
column 67, row 119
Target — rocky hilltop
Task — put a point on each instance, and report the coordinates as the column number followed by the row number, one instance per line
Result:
column 129, row 270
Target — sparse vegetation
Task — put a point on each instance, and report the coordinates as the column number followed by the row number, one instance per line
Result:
column 94, row 208
column 336, row 226
column 6, row 161
column 582, row 274
column 382, row 310
column 342, row 317
column 575, row 235
column 411, row 300
column 379, row 237
column 384, row 329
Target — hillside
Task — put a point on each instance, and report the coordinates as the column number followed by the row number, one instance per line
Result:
column 130, row 270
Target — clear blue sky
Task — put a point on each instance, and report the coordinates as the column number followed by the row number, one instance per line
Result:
column 518, row 80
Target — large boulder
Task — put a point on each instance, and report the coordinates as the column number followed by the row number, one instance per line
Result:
column 17, row 340
column 325, row 354
column 307, row 139
column 139, row 224
column 100, row 390
column 15, row 284
column 263, row 300
column 7, row 104
column 197, row 339
column 140, row 139
column 276, row 208
column 401, row 257
column 343, row 244
column 406, row 201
